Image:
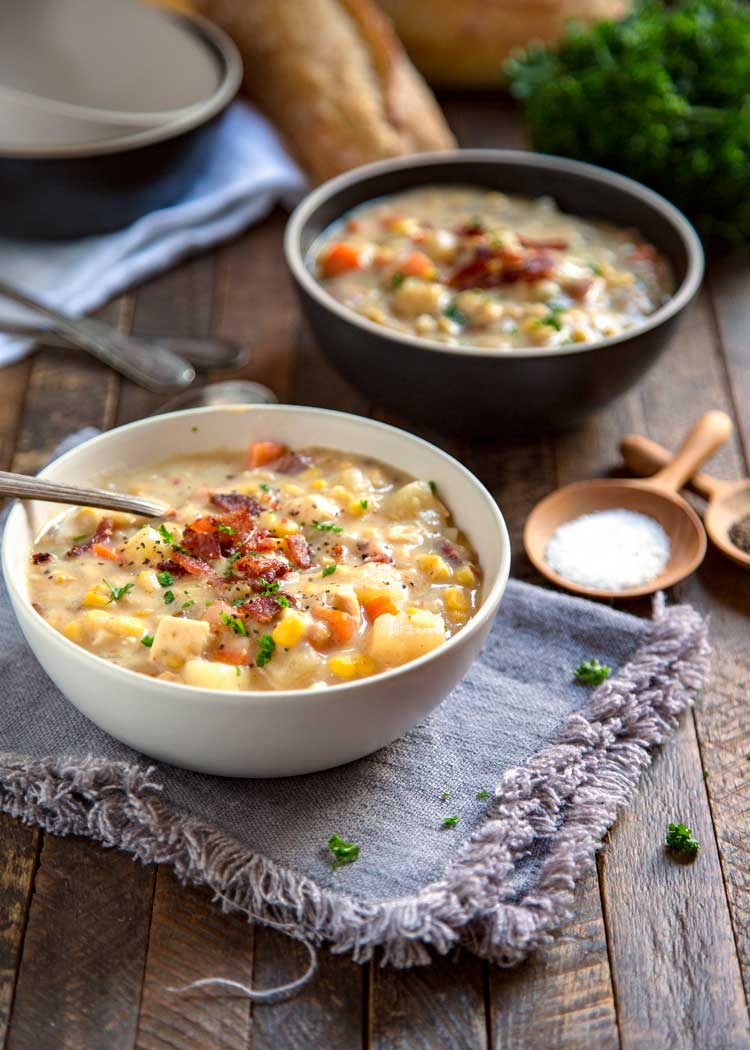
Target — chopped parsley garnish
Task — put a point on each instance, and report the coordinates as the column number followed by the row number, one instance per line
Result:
column 450, row 822
column 474, row 225
column 265, row 650
column 327, row 526
column 235, row 623
column 364, row 504
column 680, row 840
column 237, row 671
column 343, row 852
column 444, row 796
column 166, row 535
column 453, row 313
column 147, row 640
column 329, row 570
column 433, row 487
column 264, row 487
column 166, row 579
column 229, row 571
column 225, row 530
column 270, row 588
column 81, row 538
column 484, row 793
column 552, row 320
column 115, row 593
column 168, row 597
column 591, row 672
column 239, row 601
column 283, row 601
column 595, row 268
column 186, row 605
column 396, row 280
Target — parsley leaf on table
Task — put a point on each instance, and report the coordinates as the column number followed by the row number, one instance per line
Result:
column 591, row 672
column 343, row 852
column 680, row 840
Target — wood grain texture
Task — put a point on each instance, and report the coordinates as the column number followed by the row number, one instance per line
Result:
column 18, row 862
column 562, row 997
column 192, row 939
column 82, row 967
column 326, row 1013
column 441, row 1005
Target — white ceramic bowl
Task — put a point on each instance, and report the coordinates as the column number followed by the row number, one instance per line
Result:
column 259, row 734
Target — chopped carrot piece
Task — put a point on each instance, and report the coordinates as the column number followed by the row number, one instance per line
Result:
column 203, row 524
column 262, row 452
column 235, row 657
column 378, row 606
column 101, row 551
column 341, row 624
column 417, row 264
column 338, row 258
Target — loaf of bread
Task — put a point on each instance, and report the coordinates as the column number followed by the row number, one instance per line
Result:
column 464, row 43
column 334, row 79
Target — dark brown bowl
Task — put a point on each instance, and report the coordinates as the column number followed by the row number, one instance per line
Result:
column 479, row 390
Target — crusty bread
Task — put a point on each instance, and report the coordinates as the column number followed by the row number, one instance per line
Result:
column 463, row 43
column 333, row 77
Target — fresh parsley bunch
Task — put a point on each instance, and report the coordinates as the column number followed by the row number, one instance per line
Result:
column 663, row 96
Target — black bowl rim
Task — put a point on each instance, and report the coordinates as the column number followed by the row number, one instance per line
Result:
column 186, row 119
column 502, row 157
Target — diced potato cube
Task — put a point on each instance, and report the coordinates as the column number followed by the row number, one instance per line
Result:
column 89, row 517
column 293, row 489
column 414, row 297
column 405, row 636
column 466, row 576
column 358, row 666
column 340, row 494
column 456, row 598
column 96, row 620
column 294, row 669
column 435, row 567
column 177, row 640
column 289, row 630
column 409, row 500
column 146, row 546
column 209, row 675
column 376, row 580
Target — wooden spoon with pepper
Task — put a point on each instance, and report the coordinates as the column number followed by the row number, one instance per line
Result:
column 728, row 501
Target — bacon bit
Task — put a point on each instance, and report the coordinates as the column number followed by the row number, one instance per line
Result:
column 354, row 225
column 263, row 608
column 297, row 550
column 579, row 288
column 262, row 568
column 103, row 532
column 101, row 550
column 473, row 228
column 231, row 501
column 372, row 551
column 203, row 545
column 41, row 556
column 203, row 524
column 293, row 463
column 260, row 453
column 171, row 566
column 553, row 245
column 490, row 271
column 193, row 565
column 644, row 251
column 451, row 552
column 337, row 551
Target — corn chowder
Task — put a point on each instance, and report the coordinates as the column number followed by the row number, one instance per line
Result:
column 473, row 267
column 278, row 570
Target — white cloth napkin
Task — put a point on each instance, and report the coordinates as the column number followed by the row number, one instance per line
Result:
column 247, row 173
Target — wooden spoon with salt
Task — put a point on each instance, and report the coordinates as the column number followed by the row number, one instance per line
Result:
column 656, row 497
column 728, row 501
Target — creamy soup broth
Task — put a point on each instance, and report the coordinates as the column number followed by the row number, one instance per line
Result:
column 276, row 570
column 473, row 267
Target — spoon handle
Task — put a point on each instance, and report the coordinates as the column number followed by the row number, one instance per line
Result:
column 645, row 457
column 152, row 366
column 703, row 439
column 24, row 487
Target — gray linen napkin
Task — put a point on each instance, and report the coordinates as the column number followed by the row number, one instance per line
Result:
column 557, row 759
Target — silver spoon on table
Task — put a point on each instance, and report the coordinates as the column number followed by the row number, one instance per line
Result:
column 162, row 365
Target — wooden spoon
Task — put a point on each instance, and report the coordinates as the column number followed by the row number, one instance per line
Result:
column 657, row 498
column 727, row 500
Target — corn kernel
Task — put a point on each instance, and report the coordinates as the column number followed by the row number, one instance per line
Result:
column 277, row 524
column 96, row 599
column 351, row 666
column 74, row 631
column 465, row 576
column 120, row 626
column 88, row 518
column 435, row 567
column 455, row 598
column 338, row 492
column 63, row 577
column 148, row 581
column 293, row 490
column 289, row 631
column 143, row 613
column 356, row 508
column 318, row 483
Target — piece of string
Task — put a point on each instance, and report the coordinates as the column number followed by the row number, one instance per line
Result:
column 261, row 995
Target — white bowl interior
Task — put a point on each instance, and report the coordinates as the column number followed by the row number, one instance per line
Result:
column 149, row 441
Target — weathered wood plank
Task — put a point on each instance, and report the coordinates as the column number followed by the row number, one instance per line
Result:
column 192, row 939
column 561, row 997
column 82, row 966
column 14, row 380
column 326, row 1013
column 729, row 283
column 18, row 862
column 441, row 1005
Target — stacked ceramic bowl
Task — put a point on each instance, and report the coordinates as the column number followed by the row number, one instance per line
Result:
column 106, row 112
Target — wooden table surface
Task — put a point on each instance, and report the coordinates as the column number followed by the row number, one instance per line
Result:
column 659, row 954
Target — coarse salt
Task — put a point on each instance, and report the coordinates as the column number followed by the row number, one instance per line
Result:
column 610, row 549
